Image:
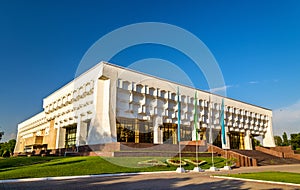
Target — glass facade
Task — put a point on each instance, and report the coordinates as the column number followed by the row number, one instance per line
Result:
column 217, row 141
column 70, row 140
column 133, row 130
column 185, row 133
column 140, row 131
column 237, row 140
column 169, row 133
column 145, row 132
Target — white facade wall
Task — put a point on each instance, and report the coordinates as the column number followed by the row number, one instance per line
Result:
column 149, row 98
column 106, row 92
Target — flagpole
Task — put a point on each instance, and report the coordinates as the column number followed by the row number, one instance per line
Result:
column 211, row 141
column 196, row 126
column 180, row 169
column 223, row 130
column 196, row 168
column 197, row 149
column 179, row 154
column 212, row 168
column 178, row 132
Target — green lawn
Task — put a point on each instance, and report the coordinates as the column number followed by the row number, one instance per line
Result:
column 23, row 167
column 271, row 176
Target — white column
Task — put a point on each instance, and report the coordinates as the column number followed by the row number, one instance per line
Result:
column 83, row 133
column 268, row 139
column 157, row 137
column 227, row 145
column 247, row 140
column 78, row 131
column 61, row 139
column 194, row 131
column 57, row 138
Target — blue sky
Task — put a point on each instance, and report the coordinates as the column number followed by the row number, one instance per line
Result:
column 256, row 44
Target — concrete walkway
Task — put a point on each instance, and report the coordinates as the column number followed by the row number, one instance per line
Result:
column 157, row 181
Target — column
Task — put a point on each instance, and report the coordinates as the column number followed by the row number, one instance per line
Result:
column 157, row 136
column 78, row 131
column 268, row 138
column 175, row 134
column 57, row 137
column 248, row 141
column 137, row 132
column 227, row 139
column 61, row 138
column 83, row 133
column 194, row 132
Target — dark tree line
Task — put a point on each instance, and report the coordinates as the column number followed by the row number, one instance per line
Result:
column 7, row 148
column 294, row 141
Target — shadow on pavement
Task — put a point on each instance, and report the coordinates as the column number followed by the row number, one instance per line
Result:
column 132, row 182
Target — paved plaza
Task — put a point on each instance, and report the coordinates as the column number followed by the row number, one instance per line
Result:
column 156, row 181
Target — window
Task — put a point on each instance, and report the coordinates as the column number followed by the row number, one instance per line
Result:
column 237, row 140
column 145, row 131
column 185, row 133
column 125, row 130
column 70, row 139
column 136, row 131
column 217, row 142
column 169, row 133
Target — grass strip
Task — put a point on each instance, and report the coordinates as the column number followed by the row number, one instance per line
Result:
column 286, row 177
column 34, row 167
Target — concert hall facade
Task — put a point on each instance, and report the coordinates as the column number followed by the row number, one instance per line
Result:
column 109, row 103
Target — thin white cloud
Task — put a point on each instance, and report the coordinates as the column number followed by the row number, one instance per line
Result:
column 253, row 82
column 287, row 119
column 223, row 88
column 263, row 82
column 9, row 136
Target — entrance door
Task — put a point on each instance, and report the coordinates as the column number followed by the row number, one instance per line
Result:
column 70, row 138
column 169, row 133
column 237, row 140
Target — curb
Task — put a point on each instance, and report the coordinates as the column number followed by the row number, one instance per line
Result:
column 255, row 180
column 77, row 177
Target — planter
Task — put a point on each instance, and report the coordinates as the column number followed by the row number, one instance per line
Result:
column 176, row 162
column 151, row 163
column 194, row 162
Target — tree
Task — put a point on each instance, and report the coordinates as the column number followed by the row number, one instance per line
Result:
column 278, row 140
column 295, row 141
column 7, row 148
column 285, row 140
column 1, row 134
column 256, row 142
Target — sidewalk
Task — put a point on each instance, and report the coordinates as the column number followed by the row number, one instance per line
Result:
column 153, row 180
column 294, row 168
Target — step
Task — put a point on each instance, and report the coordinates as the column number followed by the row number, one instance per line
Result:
column 266, row 159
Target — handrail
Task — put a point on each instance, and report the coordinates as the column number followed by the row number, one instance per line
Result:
column 241, row 160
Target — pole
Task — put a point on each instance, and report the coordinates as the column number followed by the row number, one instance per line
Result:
column 195, row 125
column 197, row 151
column 180, row 170
column 212, row 148
column 212, row 168
column 226, row 157
column 211, row 136
column 179, row 154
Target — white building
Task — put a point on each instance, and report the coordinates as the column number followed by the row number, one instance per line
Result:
column 109, row 103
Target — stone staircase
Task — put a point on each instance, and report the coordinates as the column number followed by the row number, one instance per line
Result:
column 264, row 159
column 159, row 150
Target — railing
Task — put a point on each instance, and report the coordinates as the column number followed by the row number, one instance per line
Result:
column 282, row 152
column 270, row 151
column 240, row 159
